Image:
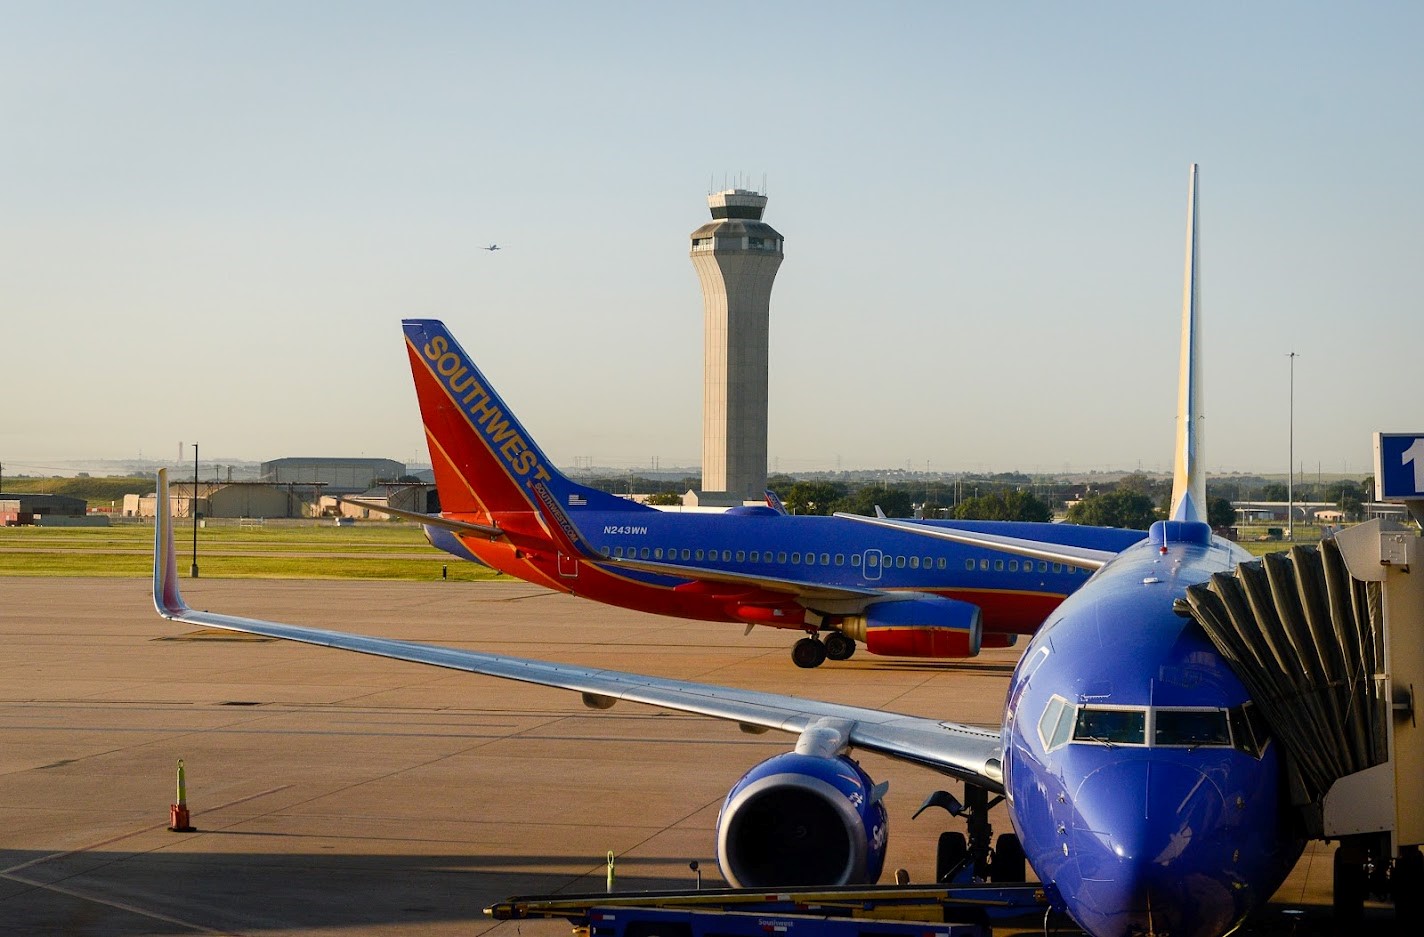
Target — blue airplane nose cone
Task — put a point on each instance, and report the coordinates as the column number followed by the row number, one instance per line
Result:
column 1152, row 855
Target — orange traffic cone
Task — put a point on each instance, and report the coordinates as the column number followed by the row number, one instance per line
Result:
column 178, row 813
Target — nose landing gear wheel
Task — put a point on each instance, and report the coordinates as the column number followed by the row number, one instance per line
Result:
column 808, row 653
column 838, row 646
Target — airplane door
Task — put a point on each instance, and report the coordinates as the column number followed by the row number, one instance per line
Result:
column 568, row 566
column 870, row 564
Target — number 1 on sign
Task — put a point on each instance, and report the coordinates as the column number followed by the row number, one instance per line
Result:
column 1415, row 454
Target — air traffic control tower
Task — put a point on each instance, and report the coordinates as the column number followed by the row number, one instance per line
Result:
column 736, row 256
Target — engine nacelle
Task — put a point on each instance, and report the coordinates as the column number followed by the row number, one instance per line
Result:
column 802, row 820
column 925, row 626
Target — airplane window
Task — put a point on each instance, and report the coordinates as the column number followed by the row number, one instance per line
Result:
column 741, row 556
column 1241, row 732
column 810, row 559
column 796, row 557
column 914, row 562
column 969, row 565
column 756, row 556
column 940, row 563
column 1042, row 566
column 927, row 561
column 686, row 553
column 872, row 559
column 1013, row 566
column 855, row 559
column 699, row 554
column 1111, row 726
column 1058, row 567
column 617, row 551
column 825, row 559
column 998, row 566
column 840, row 559
column 1191, row 727
column 1259, row 729
column 1248, row 731
column 899, row 562
column 658, row 553
column 984, row 565
column 643, row 553
column 1063, row 729
column 781, row 556
column 604, row 551
column 726, row 556
column 1049, row 721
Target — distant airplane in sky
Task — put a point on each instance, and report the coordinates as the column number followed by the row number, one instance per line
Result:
column 492, row 247
column 1143, row 786
column 904, row 588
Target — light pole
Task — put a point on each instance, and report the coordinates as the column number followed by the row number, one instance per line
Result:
column 193, row 510
column 1290, row 466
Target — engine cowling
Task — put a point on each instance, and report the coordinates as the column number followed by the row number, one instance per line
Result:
column 925, row 626
column 802, row 820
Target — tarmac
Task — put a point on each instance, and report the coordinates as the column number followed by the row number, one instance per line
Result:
column 338, row 794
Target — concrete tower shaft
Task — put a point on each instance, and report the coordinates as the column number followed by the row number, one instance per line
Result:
column 736, row 257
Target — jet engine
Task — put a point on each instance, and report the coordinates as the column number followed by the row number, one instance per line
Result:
column 803, row 819
column 923, row 626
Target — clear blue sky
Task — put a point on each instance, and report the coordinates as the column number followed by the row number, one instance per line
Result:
column 212, row 217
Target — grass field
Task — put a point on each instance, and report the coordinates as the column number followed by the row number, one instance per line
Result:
column 378, row 550
column 374, row 551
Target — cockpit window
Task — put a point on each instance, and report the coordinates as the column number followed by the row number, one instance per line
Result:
column 1248, row 731
column 1056, row 723
column 1191, row 727
column 1111, row 726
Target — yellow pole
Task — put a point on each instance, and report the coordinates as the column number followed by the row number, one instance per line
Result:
column 182, row 786
column 611, row 876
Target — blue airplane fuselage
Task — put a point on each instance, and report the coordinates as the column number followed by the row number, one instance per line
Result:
column 1144, row 789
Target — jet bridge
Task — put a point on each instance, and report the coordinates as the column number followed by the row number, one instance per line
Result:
column 1329, row 641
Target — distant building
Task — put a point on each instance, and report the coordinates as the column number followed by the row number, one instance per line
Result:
column 18, row 507
column 419, row 498
column 222, row 499
column 333, row 475
column 1257, row 511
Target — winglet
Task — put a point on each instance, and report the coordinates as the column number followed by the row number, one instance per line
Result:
column 166, row 597
column 773, row 501
column 1189, row 463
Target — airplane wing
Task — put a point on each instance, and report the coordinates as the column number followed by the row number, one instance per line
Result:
column 1039, row 550
column 432, row 520
column 971, row 753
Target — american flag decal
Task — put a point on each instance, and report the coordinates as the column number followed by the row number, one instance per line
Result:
column 578, row 501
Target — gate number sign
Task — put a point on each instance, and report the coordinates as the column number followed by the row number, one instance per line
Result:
column 1399, row 466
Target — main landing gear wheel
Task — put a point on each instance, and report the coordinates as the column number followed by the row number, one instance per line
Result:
column 1408, row 888
column 1352, row 885
column 838, row 646
column 951, row 855
column 808, row 653
column 1008, row 863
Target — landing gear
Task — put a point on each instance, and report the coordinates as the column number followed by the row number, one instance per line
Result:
column 951, row 856
column 1008, row 863
column 808, row 653
column 958, row 853
column 838, row 646
column 1407, row 884
column 1351, row 885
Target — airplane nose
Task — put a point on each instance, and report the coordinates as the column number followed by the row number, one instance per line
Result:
column 1151, row 853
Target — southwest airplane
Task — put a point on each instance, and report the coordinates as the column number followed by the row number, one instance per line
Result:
column 1142, row 785
column 910, row 589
